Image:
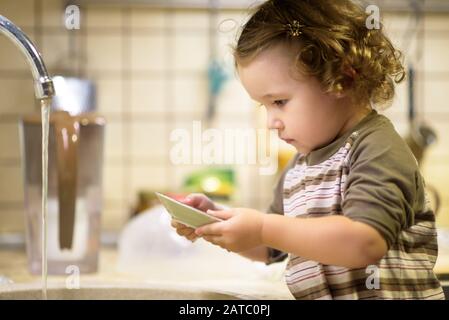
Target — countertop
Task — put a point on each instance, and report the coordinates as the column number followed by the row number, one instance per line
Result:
column 208, row 271
column 13, row 266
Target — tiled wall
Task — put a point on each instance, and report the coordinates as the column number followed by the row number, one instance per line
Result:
column 150, row 66
column 426, row 47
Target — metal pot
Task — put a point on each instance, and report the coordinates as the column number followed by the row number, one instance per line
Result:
column 74, row 95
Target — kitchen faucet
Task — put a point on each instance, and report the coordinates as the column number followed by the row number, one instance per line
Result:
column 43, row 85
column 44, row 91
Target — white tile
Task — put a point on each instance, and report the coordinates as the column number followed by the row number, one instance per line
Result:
column 245, row 186
column 113, row 140
column 113, row 181
column 225, row 50
column 11, row 185
column 260, row 114
column 190, row 94
column 396, row 21
column 113, row 203
column 114, row 216
column 236, row 123
column 148, row 52
column 11, row 58
column 9, row 141
column 231, row 20
column 226, row 43
column 21, row 15
column 149, row 139
column 233, row 99
column 148, row 178
column 148, row 18
column 104, row 52
column 57, row 55
column 185, row 19
column 103, row 17
column 182, row 172
column 109, row 95
column 17, row 96
column 435, row 96
column 183, row 123
column 437, row 22
column 53, row 12
column 436, row 53
column 191, row 51
column 149, row 95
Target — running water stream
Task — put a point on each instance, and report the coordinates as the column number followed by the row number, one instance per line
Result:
column 45, row 113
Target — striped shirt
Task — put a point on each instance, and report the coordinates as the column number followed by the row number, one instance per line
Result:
column 368, row 175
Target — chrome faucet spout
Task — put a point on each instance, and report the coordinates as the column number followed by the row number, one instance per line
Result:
column 43, row 85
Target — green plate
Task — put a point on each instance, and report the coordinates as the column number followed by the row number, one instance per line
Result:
column 185, row 214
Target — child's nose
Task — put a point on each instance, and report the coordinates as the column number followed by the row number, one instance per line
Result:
column 274, row 123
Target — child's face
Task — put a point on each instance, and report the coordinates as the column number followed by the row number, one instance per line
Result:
column 304, row 115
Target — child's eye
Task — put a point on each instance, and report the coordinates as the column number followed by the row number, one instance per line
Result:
column 280, row 103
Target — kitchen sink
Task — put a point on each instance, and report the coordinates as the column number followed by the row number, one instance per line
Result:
column 114, row 292
column 127, row 291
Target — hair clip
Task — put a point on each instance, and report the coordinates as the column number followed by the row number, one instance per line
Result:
column 294, row 28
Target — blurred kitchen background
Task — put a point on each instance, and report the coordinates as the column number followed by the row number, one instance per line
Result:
column 151, row 63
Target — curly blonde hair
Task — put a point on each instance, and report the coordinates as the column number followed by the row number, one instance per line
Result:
column 333, row 44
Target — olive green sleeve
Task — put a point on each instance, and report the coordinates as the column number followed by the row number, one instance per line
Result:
column 383, row 183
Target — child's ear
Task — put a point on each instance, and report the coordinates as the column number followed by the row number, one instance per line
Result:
column 340, row 91
column 349, row 71
column 349, row 77
column 340, row 94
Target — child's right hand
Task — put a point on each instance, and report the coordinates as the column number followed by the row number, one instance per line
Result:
column 198, row 201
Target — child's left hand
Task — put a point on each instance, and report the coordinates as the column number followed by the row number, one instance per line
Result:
column 241, row 230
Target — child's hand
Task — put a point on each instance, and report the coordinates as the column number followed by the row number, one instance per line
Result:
column 198, row 201
column 184, row 230
column 241, row 230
